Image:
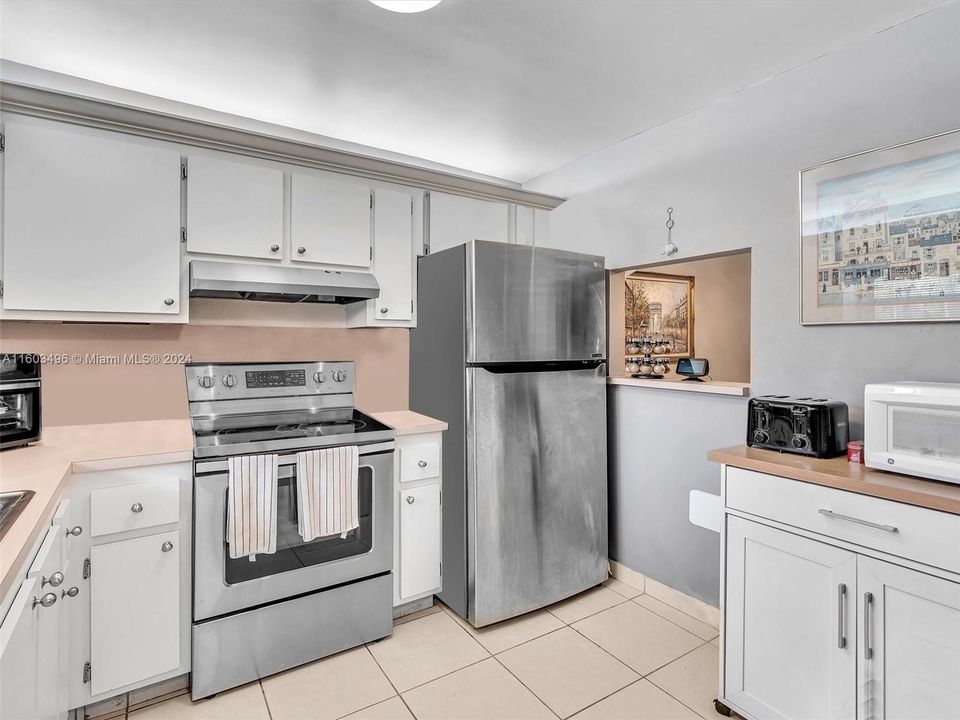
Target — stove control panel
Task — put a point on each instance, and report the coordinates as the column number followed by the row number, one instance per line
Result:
column 222, row 381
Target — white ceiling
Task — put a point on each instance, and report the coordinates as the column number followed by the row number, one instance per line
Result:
column 510, row 89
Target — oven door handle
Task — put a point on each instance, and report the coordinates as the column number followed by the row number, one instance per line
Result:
column 209, row 466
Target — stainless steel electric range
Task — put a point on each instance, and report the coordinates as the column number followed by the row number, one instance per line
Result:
column 252, row 618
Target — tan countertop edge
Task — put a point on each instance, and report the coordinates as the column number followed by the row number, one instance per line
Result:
column 45, row 466
column 713, row 387
column 842, row 475
column 407, row 422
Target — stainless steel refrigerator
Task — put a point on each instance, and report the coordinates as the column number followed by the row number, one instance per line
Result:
column 510, row 350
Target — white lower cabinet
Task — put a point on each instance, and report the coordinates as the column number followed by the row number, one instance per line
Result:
column 419, row 540
column 909, row 643
column 819, row 628
column 33, row 682
column 134, row 610
column 790, row 654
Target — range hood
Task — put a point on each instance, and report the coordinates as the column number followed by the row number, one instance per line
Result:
column 242, row 281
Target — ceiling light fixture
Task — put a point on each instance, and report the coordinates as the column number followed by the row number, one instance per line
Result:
column 406, row 6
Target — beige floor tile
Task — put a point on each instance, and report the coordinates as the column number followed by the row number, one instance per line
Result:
column 424, row 649
column 694, row 679
column 715, row 642
column 479, row 692
column 242, row 703
column 621, row 588
column 640, row 701
column 328, row 688
column 566, row 670
column 586, row 603
column 392, row 709
column 640, row 638
column 510, row 633
column 701, row 630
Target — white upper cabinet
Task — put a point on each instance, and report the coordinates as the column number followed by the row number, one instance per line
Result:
column 393, row 254
column 234, row 208
column 329, row 221
column 91, row 224
column 455, row 220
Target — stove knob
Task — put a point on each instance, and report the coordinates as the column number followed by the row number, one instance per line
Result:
column 760, row 436
column 319, row 376
column 206, row 381
column 339, row 375
column 229, row 380
column 800, row 442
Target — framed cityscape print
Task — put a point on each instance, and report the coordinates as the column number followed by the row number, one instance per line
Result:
column 660, row 307
column 880, row 235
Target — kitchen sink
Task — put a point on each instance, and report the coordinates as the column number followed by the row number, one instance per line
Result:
column 11, row 505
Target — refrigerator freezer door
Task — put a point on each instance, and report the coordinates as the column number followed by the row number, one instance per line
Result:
column 532, row 304
column 536, row 488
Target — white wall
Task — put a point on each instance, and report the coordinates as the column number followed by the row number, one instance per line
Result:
column 730, row 171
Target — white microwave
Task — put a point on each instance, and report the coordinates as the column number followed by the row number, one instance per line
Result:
column 913, row 428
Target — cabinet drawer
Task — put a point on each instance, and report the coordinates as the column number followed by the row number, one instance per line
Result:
column 927, row 536
column 419, row 461
column 133, row 507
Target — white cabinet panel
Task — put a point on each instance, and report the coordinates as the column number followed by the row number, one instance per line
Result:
column 909, row 643
column 234, row 208
column 790, row 634
column 90, row 224
column 393, row 254
column 134, row 610
column 455, row 220
column 419, row 461
column 329, row 221
column 419, row 540
column 32, row 664
column 134, row 507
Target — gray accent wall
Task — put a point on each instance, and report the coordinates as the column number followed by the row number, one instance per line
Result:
column 657, row 455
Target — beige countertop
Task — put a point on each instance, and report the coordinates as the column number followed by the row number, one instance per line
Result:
column 843, row 475
column 45, row 466
column 407, row 422
column 714, row 387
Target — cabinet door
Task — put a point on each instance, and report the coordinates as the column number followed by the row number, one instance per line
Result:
column 329, row 221
column 90, row 224
column 393, row 254
column 20, row 654
column 234, row 208
column 134, row 610
column 909, row 642
column 790, row 638
column 455, row 220
column 419, row 540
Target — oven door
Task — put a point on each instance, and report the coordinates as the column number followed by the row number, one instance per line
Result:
column 19, row 413
column 222, row 585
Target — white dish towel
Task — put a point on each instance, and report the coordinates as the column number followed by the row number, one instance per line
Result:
column 327, row 488
column 252, row 505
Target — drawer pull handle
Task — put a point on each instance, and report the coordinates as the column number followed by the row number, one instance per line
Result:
column 858, row 521
column 55, row 580
column 841, row 614
column 167, row 546
column 136, row 508
column 422, row 463
column 867, row 603
column 72, row 592
column 410, row 499
column 75, row 531
column 45, row 601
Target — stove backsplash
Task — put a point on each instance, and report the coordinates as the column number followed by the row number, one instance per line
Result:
column 114, row 373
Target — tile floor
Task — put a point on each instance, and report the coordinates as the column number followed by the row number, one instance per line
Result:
column 609, row 653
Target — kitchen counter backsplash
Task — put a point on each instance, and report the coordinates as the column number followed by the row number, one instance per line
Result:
column 113, row 373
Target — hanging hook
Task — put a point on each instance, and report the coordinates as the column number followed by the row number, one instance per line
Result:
column 669, row 218
column 670, row 249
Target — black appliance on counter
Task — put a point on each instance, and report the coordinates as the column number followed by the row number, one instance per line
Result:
column 19, row 400
column 806, row 426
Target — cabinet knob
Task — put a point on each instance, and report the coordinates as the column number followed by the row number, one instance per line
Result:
column 422, row 463
column 55, row 580
column 46, row 600
column 384, row 310
column 168, row 301
column 410, row 499
column 136, row 508
column 166, row 547
column 72, row 592
column 274, row 248
column 76, row 530
column 301, row 250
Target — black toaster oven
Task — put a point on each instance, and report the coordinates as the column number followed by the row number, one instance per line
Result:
column 807, row 426
column 19, row 400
